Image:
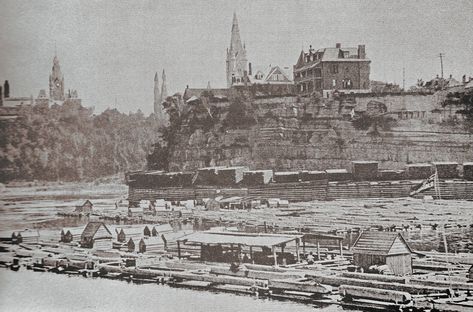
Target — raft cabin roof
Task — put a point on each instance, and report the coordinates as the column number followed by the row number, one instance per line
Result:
column 151, row 244
column 96, row 235
column 375, row 248
column 126, row 233
column 135, row 211
column 72, row 234
column 86, row 207
column 212, row 243
column 26, row 236
column 157, row 229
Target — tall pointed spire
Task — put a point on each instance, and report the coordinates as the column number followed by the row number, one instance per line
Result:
column 157, row 95
column 164, row 91
column 237, row 63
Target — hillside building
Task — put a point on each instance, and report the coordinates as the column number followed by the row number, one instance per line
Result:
column 332, row 69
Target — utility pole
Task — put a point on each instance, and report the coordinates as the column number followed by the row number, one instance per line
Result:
column 441, row 55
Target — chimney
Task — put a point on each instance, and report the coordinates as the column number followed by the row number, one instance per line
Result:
column 249, row 69
column 361, row 51
column 1, row 96
column 338, row 45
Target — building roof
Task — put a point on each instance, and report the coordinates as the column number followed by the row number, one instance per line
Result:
column 73, row 230
column 132, row 230
column 379, row 243
column 197, row 93
column 92, row 227
column 258, row 240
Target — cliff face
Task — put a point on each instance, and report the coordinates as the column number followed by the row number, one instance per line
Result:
column 291, row 133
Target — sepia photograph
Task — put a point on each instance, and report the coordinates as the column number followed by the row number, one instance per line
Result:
column 245, row 155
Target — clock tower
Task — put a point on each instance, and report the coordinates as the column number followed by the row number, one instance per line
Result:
column 56, row 82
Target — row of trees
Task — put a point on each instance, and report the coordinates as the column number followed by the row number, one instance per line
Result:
column 69, row 143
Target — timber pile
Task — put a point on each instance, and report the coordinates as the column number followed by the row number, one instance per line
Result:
column 302, row 191
column 451, row 190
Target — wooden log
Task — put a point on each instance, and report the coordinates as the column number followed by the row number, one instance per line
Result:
column 375, row 277
column 303, row 285
column 374, row 293
column 445, row 284
column 339, row 280
column 255, row 274
column 232, row 280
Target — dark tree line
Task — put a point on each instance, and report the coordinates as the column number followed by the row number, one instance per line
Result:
column 69, row 143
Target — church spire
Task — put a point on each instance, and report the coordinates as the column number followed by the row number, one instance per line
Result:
column 235, row 42
column 237, row 63
column 164, row 91
column 157, row 95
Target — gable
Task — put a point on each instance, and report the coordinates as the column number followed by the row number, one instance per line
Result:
column 399, row 246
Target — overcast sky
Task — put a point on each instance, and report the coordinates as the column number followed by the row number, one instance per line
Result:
column 110, row 50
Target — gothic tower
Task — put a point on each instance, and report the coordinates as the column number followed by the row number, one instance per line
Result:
column 157, row 95
column 164, row 90
column 56, row 82
column 237, row 63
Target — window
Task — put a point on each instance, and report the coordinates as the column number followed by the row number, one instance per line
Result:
column 318, row 72
column 334, row 68
column 318, row 84
column 334, row 83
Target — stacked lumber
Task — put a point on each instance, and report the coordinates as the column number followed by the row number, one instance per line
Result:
column 468, row 171
column 365, row 170
column 293, row 192
column 450, row 190
column 419, row 171
column 338, row 175
column 446, row 170
column 257, row 177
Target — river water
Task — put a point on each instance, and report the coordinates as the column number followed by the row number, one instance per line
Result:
column 34, row 291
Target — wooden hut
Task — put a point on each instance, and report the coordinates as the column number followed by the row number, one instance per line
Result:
column 135, row 212
column 286, row 176
column 27, row 236
column 373, row 248
column 160, row 229
column 151, row 244
column 86, row 208
column 468, row 171
column 212, row 204
column 96, row 235
column 125, row 234
column 71, row 234
column 131, row 245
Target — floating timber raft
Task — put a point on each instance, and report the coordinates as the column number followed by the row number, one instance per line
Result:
column 324, row 282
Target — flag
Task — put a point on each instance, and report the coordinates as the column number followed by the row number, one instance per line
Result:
column 425, row 185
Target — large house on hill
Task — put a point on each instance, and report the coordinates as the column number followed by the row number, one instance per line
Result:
column 332, row 69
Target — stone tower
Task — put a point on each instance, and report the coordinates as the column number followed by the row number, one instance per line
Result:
column 157, row 95
column 237, row 63
column 164, row 90
column 56, row 82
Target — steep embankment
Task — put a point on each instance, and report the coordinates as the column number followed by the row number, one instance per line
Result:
column 290, row 133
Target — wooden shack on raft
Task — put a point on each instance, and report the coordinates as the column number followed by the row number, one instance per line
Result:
column 373, row 248
column 240, row 247
column 151, row 244
column 157, row 229
column 71, row 234
column 96, row 235
column 28, row 236
column 125, row 234
column 86, row 208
